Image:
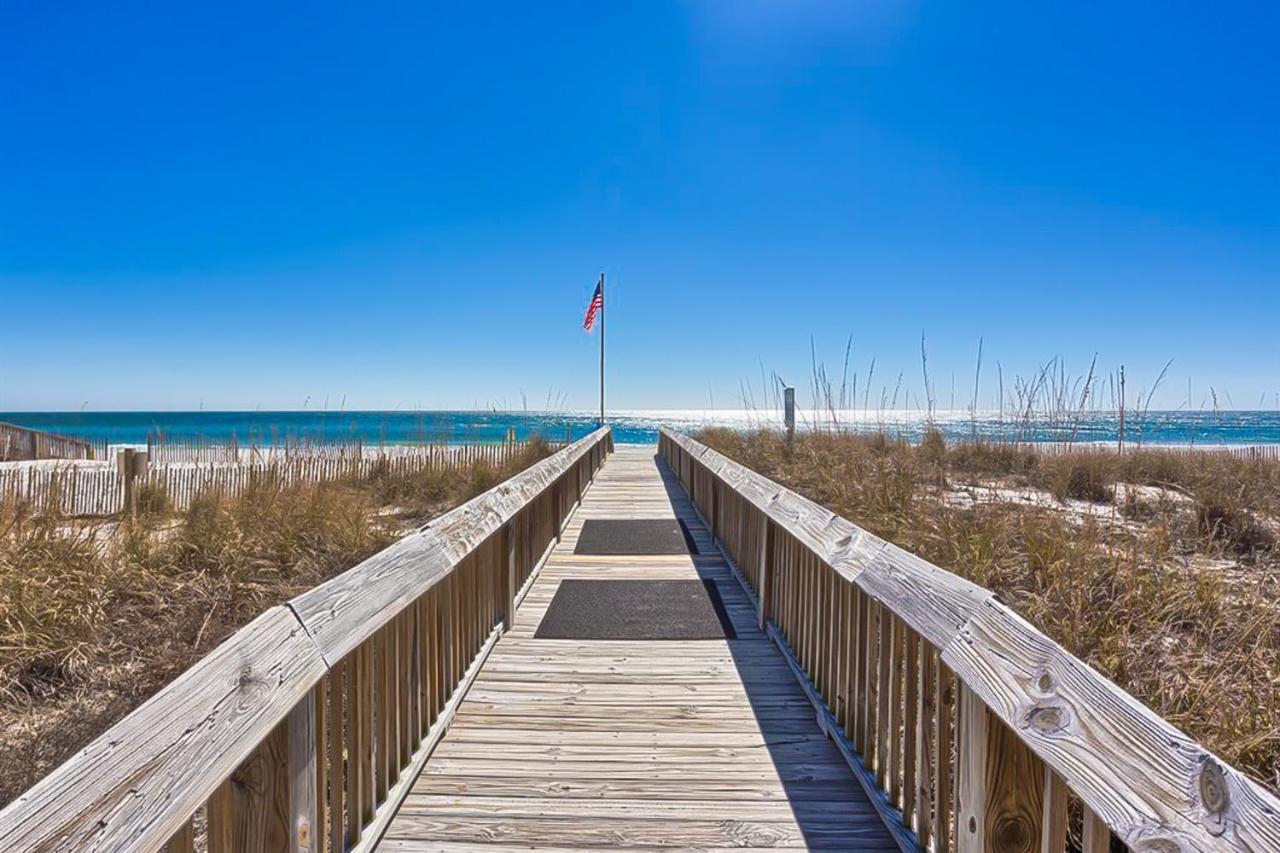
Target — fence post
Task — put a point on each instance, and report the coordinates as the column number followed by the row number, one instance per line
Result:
column 789, row 416
column 125, row 467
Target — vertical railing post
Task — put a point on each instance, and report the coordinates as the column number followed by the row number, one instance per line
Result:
column 557, row 505
column 509, row 576
column 971, row 768
column 1000, row 783
column 765, row 593
column 711, row 503
column 303, row 795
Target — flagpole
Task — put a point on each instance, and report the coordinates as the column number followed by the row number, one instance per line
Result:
column 601, row 349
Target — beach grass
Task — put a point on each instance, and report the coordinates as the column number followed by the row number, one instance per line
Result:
column 96, row 616
column 1158, row 569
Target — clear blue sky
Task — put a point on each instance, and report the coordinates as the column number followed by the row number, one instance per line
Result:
column 250, row 204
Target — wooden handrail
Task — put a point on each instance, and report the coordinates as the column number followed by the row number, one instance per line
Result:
column 304, row 730
column 971, row 729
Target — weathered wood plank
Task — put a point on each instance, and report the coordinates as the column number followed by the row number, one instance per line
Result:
column 1139, row 774
column 596, row 833
column 304, row 798
column 136, row 785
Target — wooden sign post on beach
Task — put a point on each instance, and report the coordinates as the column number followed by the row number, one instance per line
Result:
column 789, row 415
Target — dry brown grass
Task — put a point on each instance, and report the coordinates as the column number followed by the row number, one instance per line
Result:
column 95, row 618
column 1174, row 598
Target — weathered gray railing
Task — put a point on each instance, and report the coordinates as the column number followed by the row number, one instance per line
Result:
column 970, row 729
column 303, row 731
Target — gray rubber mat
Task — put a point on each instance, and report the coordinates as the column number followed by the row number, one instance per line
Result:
column 626, row 536
column 636, row 610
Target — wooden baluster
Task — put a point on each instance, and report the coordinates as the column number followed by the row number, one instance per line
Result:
column 356, row 776
column 853, row 663
column 884, row 694
column 1097, row 835
column 842, row 703
column 924, row 743
column 1015, row 779
column 766, row 571
column 910, row 725
column 1053, row 835
column 337, row 773
column 416, row 691
column 864, row 678
column 304, row 796
column 252, row 811
column 382, row 730
column 447, row 639
column 893, row 766
column 184, row 840
column 943, row 693
column 828, row 643
column 407, row 677
column 368, row 788
column 321, row 730
column 971, row 771
column 425, row 646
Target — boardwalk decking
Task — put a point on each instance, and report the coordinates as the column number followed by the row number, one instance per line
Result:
column 627, row 744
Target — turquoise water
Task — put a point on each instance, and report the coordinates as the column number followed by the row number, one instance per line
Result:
column 1203, row 428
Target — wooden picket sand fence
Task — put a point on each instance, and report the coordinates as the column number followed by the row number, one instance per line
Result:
column 19, row 443
column 80, row 490
column 925, row 715
column 168, row 449
column 1246, row 452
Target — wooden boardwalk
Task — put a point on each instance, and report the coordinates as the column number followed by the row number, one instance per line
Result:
column 564, row 744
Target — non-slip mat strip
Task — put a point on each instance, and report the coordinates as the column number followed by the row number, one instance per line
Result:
column 618, row 537
column 636, row 610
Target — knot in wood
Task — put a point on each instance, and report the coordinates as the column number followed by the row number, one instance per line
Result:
column 1160, row 845
column 1013, row 834
column 249, row 687
column 1047, row 719
column 1213, row 788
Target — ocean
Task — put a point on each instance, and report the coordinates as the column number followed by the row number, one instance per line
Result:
column 641, row 426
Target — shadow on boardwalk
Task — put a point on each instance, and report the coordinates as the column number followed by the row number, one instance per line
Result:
column 828, row 804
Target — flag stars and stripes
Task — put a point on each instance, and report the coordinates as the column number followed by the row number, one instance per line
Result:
column 597, row 303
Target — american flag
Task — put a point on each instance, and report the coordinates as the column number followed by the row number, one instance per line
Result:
column 597, row 303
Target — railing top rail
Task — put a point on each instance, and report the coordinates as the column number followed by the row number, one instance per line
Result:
column 344, row 611
column 1156, row 787
column 141, row 780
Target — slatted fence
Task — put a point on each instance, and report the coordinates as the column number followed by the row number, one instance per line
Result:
column 305, row 729
column 969, row 728
column 1246, row 452
column 86, row 490
column 20, row 443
